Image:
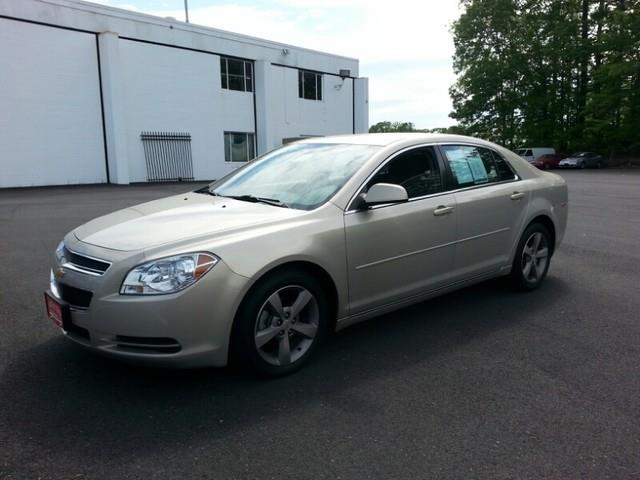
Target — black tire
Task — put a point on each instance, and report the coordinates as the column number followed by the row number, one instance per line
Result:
column 244, row 351
column 583, row 165
column 519, row 278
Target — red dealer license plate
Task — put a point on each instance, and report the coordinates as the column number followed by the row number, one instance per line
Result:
column 56, row 311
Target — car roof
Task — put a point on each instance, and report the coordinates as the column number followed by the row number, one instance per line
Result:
column 387, row 139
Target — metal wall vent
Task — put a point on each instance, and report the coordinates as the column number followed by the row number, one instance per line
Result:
column 168, row 156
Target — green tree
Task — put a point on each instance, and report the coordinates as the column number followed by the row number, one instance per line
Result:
column 613, row 108
column 453, row 130
column 485, row 96
column 385, row 127
column 549, row 73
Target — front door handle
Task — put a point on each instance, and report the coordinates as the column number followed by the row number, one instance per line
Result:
column 442, row 210
column 517, row 195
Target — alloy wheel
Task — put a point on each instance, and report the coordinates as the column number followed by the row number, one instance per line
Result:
column 535, row 257
column 287, row 325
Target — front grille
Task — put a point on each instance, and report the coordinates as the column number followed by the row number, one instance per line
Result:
column 87, row 264
column 147, row 344
column 75, row 296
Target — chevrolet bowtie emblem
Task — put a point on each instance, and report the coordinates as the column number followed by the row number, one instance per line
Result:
column 59, row 273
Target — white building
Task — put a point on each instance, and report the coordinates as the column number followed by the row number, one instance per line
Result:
column 94, row 94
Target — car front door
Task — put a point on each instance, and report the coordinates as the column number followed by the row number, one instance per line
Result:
column 491, row 205
column 399, row 250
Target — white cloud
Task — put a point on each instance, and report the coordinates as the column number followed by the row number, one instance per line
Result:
column 419, row 95
column 411, row 36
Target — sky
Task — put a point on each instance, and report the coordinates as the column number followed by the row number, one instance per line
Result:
column 405, row 47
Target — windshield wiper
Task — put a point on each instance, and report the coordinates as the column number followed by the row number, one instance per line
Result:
column 245, row 198
column 250, row 198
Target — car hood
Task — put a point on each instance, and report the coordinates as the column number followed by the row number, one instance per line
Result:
column 570, row 159
column 175, row 218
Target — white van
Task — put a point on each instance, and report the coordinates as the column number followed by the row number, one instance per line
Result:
column 531, row 154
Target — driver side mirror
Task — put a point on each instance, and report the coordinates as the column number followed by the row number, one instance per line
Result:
column 381, row 193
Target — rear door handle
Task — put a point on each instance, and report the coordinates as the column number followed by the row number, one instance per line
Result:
column 517, row 195
column 442, row 210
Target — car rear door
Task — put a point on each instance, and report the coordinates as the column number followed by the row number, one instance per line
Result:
column 491, row 204
column 396, row 251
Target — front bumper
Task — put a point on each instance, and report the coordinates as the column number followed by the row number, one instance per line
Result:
column 190, row 328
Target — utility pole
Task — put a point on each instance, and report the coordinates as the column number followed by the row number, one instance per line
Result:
column 186, row 11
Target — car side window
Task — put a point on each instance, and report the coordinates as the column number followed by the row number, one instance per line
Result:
column 505, row 172
column 475, row 166
column 416, row 170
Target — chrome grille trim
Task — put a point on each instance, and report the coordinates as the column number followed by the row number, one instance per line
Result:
column 78, row 267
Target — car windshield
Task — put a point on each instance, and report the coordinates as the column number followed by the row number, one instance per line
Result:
column 579, row 154
column 300, row 175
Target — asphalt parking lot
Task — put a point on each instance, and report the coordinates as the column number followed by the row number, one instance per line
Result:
column 481, row 383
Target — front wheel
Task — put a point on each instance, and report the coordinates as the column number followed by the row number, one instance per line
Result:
column 532, row 257
column 280, row 323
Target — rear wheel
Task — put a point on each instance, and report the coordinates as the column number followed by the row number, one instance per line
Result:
column 280, row 324
column 532, row 258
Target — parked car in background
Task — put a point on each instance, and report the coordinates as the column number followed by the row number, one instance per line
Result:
column 533, row 153
column 306, row 239
column 547, row 161
column 583, row 160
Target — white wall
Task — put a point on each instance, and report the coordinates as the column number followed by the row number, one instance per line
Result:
column 361, row 103
column 286, row 115
column 299, row 116
column 50, row 115
column 237, row 116
column 173, row 90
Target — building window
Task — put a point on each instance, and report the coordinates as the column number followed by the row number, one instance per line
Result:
column 309, row 85
column 236, row 74
column 239, row 147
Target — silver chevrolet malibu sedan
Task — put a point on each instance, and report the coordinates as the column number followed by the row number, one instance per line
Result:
column 314, row 236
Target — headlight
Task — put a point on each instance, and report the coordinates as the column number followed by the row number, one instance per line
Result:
column 60, row 254
column 167, row 275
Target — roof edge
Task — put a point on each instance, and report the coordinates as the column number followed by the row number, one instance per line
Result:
column 91, row 7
